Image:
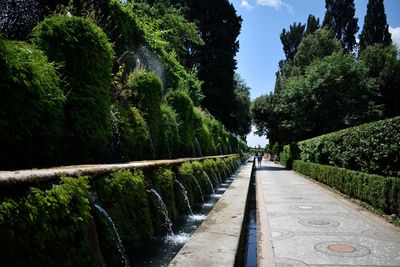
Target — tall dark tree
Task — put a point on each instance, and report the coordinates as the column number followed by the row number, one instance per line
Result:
column 291, row 39
column 376, row 29
column 340, row 18
column 215, row 60
column 241, row 112
column 312, row 24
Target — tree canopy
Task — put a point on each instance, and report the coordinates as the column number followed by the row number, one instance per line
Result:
column 376, row 29
column 340, row 18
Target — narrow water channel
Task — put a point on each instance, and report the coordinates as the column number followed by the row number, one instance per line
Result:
column 248, row 248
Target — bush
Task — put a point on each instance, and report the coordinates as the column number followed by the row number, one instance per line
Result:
column 85, row 58
column 170, row 133
column 381, row 192
column 203, row 134
column 183, row 106
column 145, row 88
column 290, row 152
column 130, row 135
column 123, row 195
column 47, row 227
column 31, row 108
column 371, row 148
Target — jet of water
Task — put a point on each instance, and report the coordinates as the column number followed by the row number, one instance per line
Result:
column 111, row 226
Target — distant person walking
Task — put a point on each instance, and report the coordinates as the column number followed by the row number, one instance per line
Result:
column 259, row 159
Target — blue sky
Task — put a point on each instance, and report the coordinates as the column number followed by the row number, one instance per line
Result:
column 260, row 46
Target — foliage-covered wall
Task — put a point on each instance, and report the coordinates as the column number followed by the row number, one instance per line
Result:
column 31, row 112
column 84, row 55
column 60, row 225
column 110, row 108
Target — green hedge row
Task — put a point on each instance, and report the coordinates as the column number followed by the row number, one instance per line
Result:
column 56, row 225
column 371, row 148
column 381, row 192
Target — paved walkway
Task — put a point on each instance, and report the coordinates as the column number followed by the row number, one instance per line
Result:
column 303, row 224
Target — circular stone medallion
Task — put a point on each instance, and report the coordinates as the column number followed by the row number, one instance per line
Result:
column 319, row 223
column 342, row 249
column 305, row 207
column 296, row 198
column 281, row 234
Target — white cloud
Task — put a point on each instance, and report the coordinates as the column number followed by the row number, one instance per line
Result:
column 277, row 4
column 246, row 5
column 395, row 35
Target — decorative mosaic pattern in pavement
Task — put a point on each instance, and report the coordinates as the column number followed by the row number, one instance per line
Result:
column 304, row 224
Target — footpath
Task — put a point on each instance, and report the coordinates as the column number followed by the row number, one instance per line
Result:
column 301, row 223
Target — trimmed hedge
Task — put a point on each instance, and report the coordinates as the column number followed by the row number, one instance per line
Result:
column 381, row 192
column 371, row 148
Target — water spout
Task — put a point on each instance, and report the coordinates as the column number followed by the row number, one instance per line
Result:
column 209, row 181
column 163, row 210
column 185, row 197
column 199, row 187
column 198, row 146
column 111, row 226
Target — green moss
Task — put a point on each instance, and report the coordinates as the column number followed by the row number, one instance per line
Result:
column 47, row 227
column 85, row 58
column 130, row 136
column 145, row 90
column 183, row 106
column 169, row 146
column 185, row 175
column 210, row 167
column 123, row 195
column 201, row 177
column 163, row 181
column 31, row 108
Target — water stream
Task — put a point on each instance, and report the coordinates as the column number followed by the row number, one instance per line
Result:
column 185, row 197
column 209, row 181
column 113, row 229
column 161, row 250
column 163, row 210
column 199, row 187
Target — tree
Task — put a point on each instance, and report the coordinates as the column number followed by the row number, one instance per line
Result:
column 383, row 64
column 334, row 93
column 291, row 39
column 264, row 117
column 340, row 18
column 241, row 112
column 376, row 29
column 315, row 46
column 312, row 24
column 219, row 28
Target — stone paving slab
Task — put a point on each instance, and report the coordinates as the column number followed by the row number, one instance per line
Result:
column 216, row 241
column 303, row 224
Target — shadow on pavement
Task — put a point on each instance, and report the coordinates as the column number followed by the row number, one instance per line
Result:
column 270, row 168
